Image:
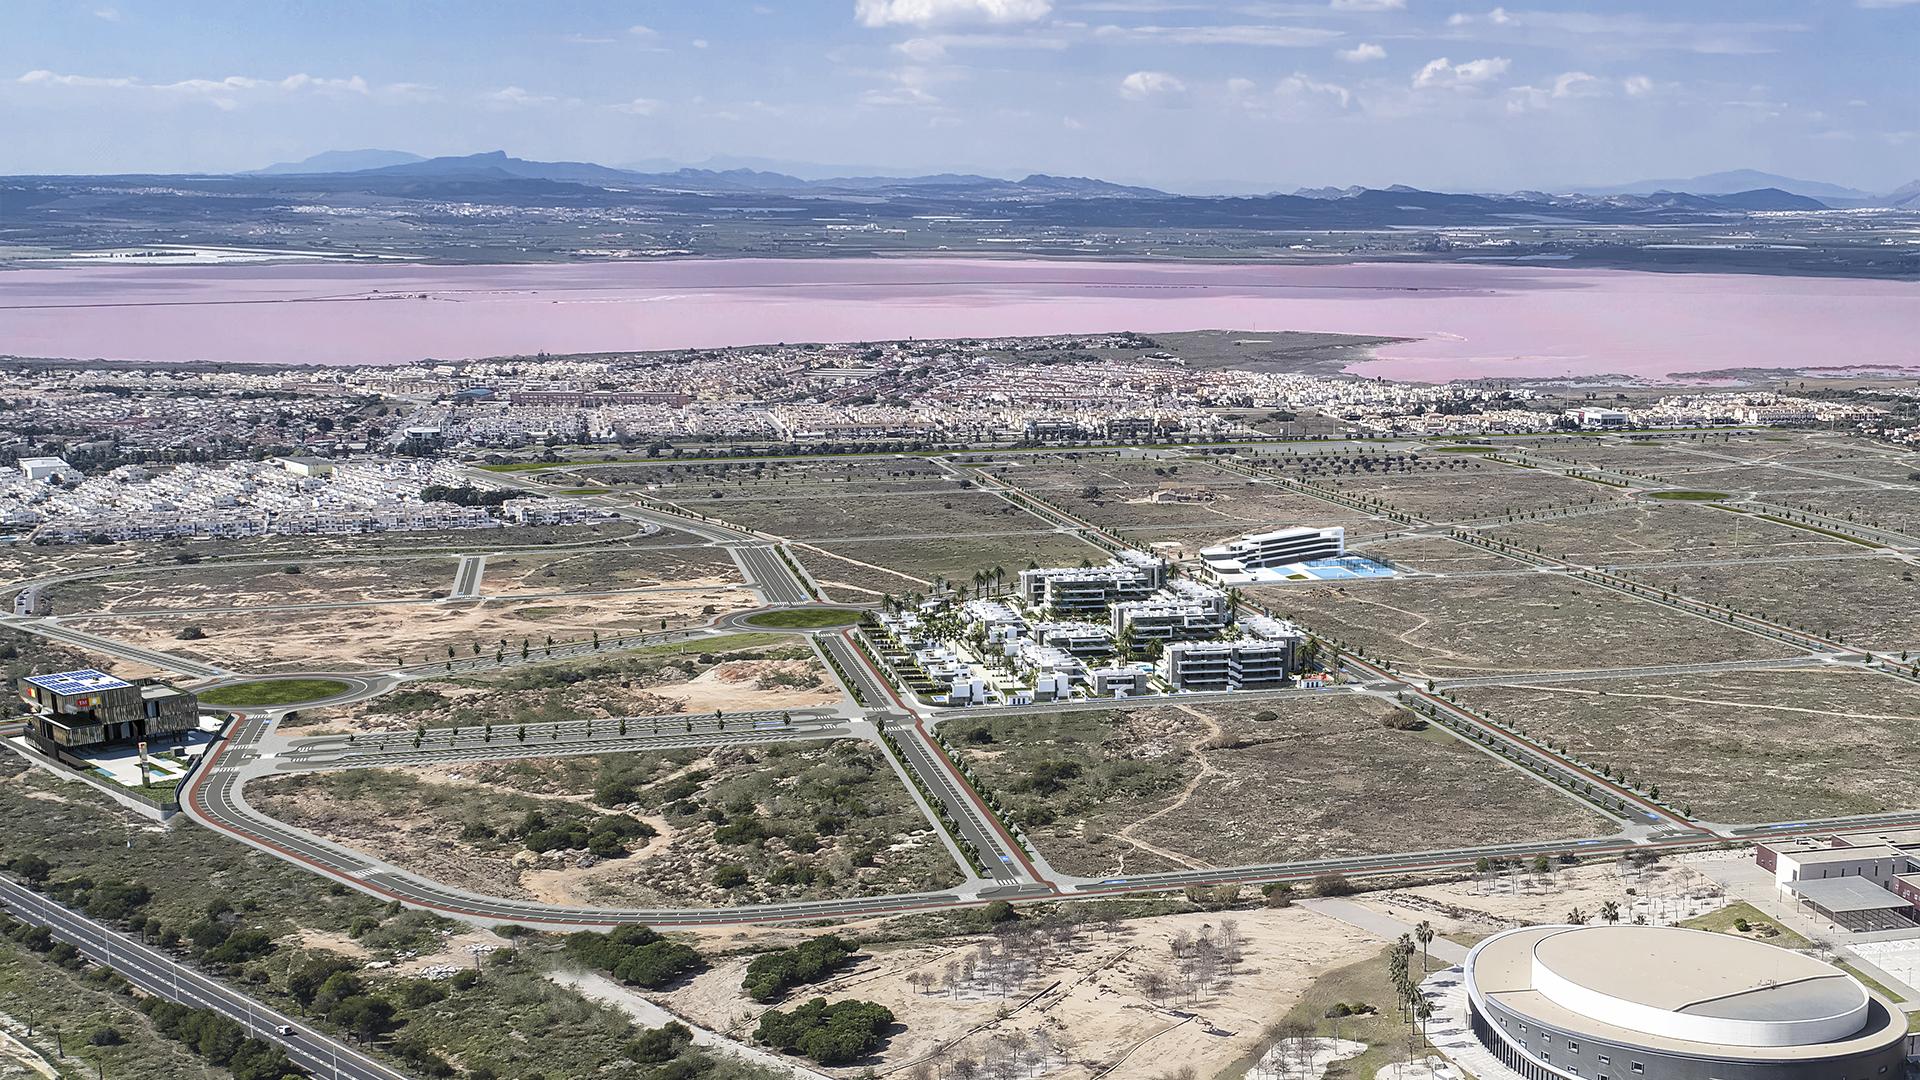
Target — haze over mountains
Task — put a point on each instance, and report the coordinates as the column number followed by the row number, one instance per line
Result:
column 1734, row 190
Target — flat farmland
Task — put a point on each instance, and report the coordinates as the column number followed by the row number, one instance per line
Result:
column 1631, row 455
column 864, row 515
column 1869, row 602
column 791, row 821
column 909, row 565
column 296, row 581
column 1126, row 792
column 383, row 636
column 1655, row 532
column 604, row 569
column 1462, row 626
column 1748, row 746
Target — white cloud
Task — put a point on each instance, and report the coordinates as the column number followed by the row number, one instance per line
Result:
column 1638, row 86
column 932, row 48
column 1365, row 52
column 1443, row 74
column 949, row 12
column 108, row 14
column 1276, row 36
column 644, row 33
column 637, row 107
column 515, row 97
column 1572, row 84
column 699, row 43
column 1368, row 5
column 225, row 93
column 1146, row 85
column 1239, row 87
column 1496, row 17
column 1300, row 85
column 586, row 39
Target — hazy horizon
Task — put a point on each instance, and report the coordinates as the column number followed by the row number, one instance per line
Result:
column 1180, row 94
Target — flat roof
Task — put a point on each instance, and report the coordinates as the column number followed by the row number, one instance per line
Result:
column 1843, row 854
column 1842, row 894
column 1678, row 971
column 80, row 681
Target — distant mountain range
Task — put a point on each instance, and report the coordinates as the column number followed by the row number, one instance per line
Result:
column 1737, row 190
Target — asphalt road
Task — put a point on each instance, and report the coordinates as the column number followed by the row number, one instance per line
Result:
column 466, row 577
column 154, row 657
column 159, row 974
column 769, row 573
column 439, row 749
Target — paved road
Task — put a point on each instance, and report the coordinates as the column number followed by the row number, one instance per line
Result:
column 159, row 974
column 466, row 577
column 767, row 571
column 874, row 692
column 140, row 654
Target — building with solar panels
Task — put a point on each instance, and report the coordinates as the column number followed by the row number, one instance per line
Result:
column 73, row 711
column 1665, row 1003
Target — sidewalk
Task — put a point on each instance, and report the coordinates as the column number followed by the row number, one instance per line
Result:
column 1382, row 926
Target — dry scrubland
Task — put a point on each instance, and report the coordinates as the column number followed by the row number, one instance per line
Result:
column 296, row 581
column 859, row 515
column 1867, row 602
column 379, row 637
column 1470, row 490
column 789, row 821
column 1112, row 793
column 1749, row 746
column 1458, row 627
column 1662, row 532
column 1438, row 555
column 864, row 570
column 733, row 672
column 599, row 570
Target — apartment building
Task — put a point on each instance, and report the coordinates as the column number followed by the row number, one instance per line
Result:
column 1092, row 590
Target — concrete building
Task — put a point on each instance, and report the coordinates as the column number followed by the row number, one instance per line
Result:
column 44, row 470
column 1092, row 590
column 1860, row 882
column 1281, row 547
column 78, row 710
column 1590, row 419
column 1665, row 1003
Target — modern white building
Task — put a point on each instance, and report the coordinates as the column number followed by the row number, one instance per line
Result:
column 1091, row 590
column 1281, row 547
column 1599, row 419
column 42, row 470
column 1666, row 1003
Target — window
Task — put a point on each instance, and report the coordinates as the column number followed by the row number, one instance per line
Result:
column 1605, row 1060
column 1639, row 1068
column 1572, row 1047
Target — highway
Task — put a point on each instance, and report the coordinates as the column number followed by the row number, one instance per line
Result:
column 157, row 973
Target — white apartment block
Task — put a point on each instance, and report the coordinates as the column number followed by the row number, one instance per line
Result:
column 1281, row 547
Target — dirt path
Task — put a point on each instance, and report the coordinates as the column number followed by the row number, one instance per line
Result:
column 1185, row 796
column 870, row 566
column 604, row 990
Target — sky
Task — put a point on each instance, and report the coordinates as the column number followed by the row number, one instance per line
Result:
column 1192, row 95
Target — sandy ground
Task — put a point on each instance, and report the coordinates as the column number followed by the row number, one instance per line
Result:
column 1084, row 997
column 1472, row 909
column 383, row 636
column 16, row 1057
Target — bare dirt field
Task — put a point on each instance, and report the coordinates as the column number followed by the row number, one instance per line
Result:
column 295, row 581
column 798, row 820
column 1654, row 532
column 391, row 635
column 1437, row 555
column 1478, row 489
column 1456, row 627
column 1080, row 993
column 1892, row 509
column 1751, row 746
column 1108, row 794
column 956, row 559
column 866, row 515
column 732, row 672
column 604, row 569
column 1869, row 602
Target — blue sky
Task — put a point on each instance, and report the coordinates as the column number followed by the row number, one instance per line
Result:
column 1190, row 94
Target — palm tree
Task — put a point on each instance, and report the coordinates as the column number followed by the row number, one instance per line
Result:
column 1610, row 911
column 1423, row 933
